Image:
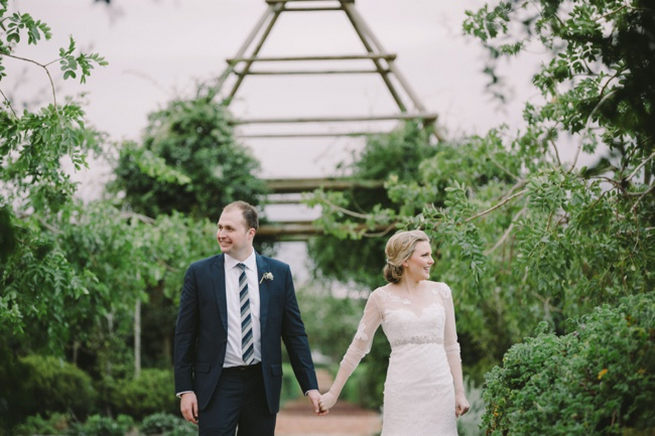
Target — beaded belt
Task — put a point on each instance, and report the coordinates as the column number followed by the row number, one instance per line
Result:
column 417, row 340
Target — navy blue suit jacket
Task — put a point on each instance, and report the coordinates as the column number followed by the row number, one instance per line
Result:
column 201, row 330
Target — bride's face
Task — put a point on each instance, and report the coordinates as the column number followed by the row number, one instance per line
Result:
column 419, row 264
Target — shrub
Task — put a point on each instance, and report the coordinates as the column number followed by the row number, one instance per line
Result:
column 167, row 424
column 53, row 385
column 57, row 423
column 151, row 392
column 599, row 378
column 98, row 425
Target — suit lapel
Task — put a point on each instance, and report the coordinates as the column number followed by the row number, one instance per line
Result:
column 264, row 292
column 218, row 276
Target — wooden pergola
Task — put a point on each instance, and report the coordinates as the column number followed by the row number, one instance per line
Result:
column 248, row 62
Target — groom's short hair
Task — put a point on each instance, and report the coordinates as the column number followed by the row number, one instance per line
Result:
column 248, row 211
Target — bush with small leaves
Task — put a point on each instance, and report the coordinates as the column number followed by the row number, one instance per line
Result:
column 599, row 378
column 146, row 394
column 56, row 423
column 53, row 385
column 166, row 424
column 103, row 425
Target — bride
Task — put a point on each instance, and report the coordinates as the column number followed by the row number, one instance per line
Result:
column 423, row 391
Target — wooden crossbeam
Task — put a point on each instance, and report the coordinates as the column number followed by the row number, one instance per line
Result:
column 298, row 230
column 272, row 2
column 308, row 72
column 429, row 117
column 287, row 229
column 309, row 134
column 345, row 57
column 325, row 8
column 287, row 186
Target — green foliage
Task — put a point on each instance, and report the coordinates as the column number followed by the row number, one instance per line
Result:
column 32, row 148
column 49, row 384
column 395, row 157
column 70, row 63
column 36, row 278
column 602, row 59
column 146, row 394
column 319, row 314
column 63, row 424
column 34, row 143
column 56, row 423
column 599, row 378
column 521, row 236
column 103, row 425
column 166, row 424
column 17, row 26
column 189, row 162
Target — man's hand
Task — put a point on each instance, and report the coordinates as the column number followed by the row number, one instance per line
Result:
column 314, row 396
column 189, row 407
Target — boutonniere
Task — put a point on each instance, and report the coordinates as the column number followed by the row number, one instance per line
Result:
column 266, row 276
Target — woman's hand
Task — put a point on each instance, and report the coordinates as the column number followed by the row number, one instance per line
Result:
column 461, row 405
column 327, row 401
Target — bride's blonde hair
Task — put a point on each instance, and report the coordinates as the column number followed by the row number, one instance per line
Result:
column 400, row 247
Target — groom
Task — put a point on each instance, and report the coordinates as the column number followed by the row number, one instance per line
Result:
column 234, row 309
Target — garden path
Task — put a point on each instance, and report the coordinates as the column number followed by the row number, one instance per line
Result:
column 345, row 419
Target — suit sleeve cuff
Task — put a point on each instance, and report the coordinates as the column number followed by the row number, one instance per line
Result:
column 179, row 394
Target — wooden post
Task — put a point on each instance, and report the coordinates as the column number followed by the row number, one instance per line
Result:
column 253, row 32
column 275, row 10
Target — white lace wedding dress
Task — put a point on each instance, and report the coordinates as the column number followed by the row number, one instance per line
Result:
column 419, row 394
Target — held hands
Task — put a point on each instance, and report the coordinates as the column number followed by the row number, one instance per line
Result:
column 461, row 405
column 327, row 401
column 189, row 407
column 314, row 397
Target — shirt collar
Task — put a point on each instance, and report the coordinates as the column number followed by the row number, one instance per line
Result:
column 250, row 262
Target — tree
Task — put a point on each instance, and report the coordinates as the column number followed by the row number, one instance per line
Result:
column 34, row 184
column 521, row 236
column 189, row 162
column 359, row 259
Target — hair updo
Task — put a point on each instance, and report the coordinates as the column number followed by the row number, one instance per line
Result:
column 400, row 247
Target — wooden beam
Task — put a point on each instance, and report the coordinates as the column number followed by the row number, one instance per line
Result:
column 275, row 14
column 309, row 135
column 288, row 229
column 403, row 116
column 280, row 186
column 303, row 1
column 378, row 65
column 298, row 230
column 345, row 57
column 268, row 13
column 307, row 72
column 325, row 8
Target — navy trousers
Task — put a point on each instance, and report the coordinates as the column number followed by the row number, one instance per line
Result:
column 238, row 405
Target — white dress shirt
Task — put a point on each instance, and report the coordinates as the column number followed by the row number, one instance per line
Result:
column 233, row 353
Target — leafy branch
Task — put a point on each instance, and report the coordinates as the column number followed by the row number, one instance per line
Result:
column 72, row 64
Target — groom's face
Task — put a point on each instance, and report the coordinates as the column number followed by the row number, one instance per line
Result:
column 233, row 235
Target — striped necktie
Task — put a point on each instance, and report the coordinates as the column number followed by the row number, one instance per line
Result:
column 247, row 345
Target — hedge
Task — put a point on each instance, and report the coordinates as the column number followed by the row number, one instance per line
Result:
column 599, row 378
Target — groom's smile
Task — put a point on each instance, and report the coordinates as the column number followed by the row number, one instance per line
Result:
column 233, row 235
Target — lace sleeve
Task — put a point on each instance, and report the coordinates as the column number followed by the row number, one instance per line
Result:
column 451, row 345
column 359, row 347
column 361, row 343
column 450, row 331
